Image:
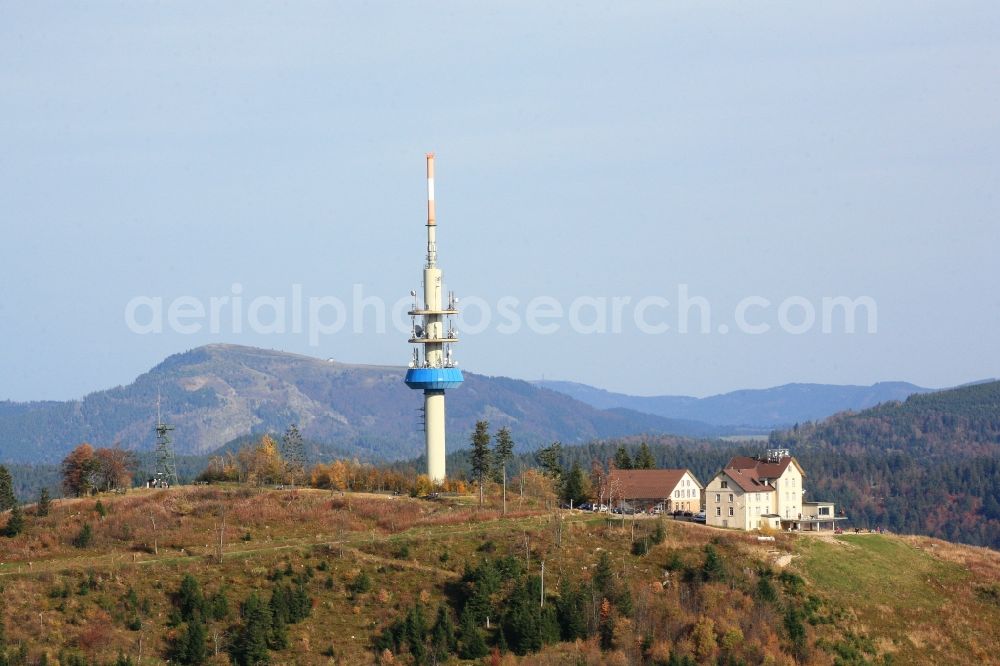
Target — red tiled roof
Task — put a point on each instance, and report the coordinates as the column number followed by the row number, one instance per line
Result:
column 647, row 483
column 764, row 470
column 747, row 480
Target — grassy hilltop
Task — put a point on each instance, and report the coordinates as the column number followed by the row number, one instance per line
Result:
column 360, row 578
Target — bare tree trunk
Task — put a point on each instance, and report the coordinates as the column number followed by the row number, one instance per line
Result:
column 222, row 534
column 156, row 548
column 541, row 601
column 505, row 489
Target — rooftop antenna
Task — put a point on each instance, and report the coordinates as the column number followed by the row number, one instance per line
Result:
column 166, row 466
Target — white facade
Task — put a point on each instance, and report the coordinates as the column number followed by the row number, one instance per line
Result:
column 788, row 491
column 686, row 495
column 746, row 498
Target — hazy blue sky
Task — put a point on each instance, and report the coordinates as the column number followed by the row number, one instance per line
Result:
column 584, row 150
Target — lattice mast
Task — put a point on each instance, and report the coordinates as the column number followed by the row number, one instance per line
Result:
column 166, row 466
column 432, row 368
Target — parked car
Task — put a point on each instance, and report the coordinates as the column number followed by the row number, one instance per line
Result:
column 586, row 506
column 699, row 517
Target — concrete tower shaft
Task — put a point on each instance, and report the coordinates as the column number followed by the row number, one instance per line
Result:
column 434, row 370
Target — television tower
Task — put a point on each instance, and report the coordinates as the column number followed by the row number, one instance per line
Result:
column 434, row 370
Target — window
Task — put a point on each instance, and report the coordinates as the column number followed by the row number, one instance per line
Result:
column 824, row 511
column 730, row 497
column 718, row 510
column 730, row 511
column 725, row 484
column 677, row 493
column 718, row 497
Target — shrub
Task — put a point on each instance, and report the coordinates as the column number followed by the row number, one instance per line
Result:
column 361, row 584
column 712, row 569
column 660, row 533
column 85, row 537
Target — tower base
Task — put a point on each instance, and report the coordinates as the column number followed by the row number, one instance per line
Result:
column 434, row 432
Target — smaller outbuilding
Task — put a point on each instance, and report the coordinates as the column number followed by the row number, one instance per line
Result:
column 644, row 489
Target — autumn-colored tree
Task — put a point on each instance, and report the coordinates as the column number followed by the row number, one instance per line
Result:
column 78, row 470
column 703, row 635
column 113, row 468
column 221, row 468
column 606, row 625
column 423, row 485
column 261, row 464
column 598, row 480
column 537, row 485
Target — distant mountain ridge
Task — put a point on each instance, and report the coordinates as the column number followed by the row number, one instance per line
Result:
column 776, row 407
column 216, row 393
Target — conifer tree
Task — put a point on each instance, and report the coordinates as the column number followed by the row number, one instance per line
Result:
column 44, row 503
column 15, row 523
column 249, row 646
column 622, row 459
column 443, row 639
column 190, row 647
column 548, row 459
column 571, row 611
column 602, row 574
column 644, row 459
column 415, row 633
column 84, row 537
column 471, row 645
column 575, row 488
column 294, row 452
column 503, row 449
column 190, row 601
column 7, row 499
column 481, row 455
column 712, row 569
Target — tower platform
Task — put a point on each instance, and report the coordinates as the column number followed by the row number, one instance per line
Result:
column 433, row 379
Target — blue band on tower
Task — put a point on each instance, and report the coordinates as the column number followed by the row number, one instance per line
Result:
column 433, row 378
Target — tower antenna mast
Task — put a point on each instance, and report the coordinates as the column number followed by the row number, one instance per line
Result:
column 434, row 371
column 166, row 466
